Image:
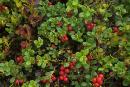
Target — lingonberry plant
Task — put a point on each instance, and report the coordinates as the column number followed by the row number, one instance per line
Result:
column 64, row 43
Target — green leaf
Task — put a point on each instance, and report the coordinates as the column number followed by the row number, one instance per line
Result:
column 78, row 65
column 100, row 69
column 38, row 42
column 84, row 84
column 75, row 2
column 1, row 41
column 12, row 79
column 126, row 83
column 87, row 76
column 66, row 64
column 43, row 65
column 49, row 73
column 28, row 63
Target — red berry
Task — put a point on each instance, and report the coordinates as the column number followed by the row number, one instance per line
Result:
column 67, row 70
column 61, row 77
column 69, row 27
column 99, row 80
column 101, row 75
column 21, row 81
column 61, row 73
column 19, row 59
column 65, row 79
column 59, row 23
column 90, row 26
column 62, row 68
column 89, row 57
column 64, row 38
column 22, row 32
column 94, row 80
column 73, row 62
column 44, row 81
column 23, row 44
column 115, row 29
column 96, row 85
column 71, row 66
column 64, row 76
column 16, row 82
column 53, row 78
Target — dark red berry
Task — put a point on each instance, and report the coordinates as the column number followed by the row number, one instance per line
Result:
column 62, row 68
column 23, row 44
column 71, row 66
column 44, row 81
column 69, row 27
column 21, row 81
column 90, row 26
column 73, row 62
column 53, row 78
column 22, row 32
column 59, row 23
column 61, row 73
column 89, row 57
column 67, row 70
column 19, row 59
column 64, row 38
column 115, row 29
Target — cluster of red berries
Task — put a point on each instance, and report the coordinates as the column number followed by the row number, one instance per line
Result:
column 98, row 81
column 64, row 71
column 64, row 38
column 19, row 59
column 53, row 78
column 63, row 74
column 19, row 82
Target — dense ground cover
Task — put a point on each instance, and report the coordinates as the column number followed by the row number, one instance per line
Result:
column 64, row 43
